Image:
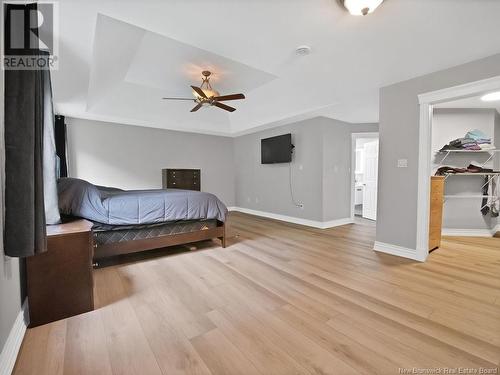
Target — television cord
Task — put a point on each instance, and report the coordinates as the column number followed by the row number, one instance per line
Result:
column 291, row 188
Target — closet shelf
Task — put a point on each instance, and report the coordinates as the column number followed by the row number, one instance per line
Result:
column 490, row 177
column 473, row 174
column 491, row 153
column 469, row 196
column 468, row 151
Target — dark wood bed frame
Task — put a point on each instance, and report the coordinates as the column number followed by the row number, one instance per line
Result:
column 188, row 179
column 159, row 242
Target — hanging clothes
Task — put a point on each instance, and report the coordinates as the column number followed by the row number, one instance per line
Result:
column 484, row 203
column 494, row 207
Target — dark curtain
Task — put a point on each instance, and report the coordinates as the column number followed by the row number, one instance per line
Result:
column 25, row 233
column 60, row 133
column 24, row 197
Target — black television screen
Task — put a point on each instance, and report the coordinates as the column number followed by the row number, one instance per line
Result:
column 276, row 149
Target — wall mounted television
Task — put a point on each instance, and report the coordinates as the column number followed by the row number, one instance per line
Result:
column 276, row 149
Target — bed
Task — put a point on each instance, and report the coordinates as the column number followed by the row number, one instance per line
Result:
column 127, row 221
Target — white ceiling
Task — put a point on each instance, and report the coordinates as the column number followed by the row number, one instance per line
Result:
column 472, row 102
column 119, row 57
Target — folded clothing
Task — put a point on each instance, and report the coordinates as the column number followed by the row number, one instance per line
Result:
column 450, row 148
column 462, row 141
column 472, row 146
column 476, row 135
column 486, row 146
column 462, row 144
column 449, row 170
column 481, row 142
column 470, row 169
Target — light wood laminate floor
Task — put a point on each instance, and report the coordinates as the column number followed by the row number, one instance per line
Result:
column 282, row 299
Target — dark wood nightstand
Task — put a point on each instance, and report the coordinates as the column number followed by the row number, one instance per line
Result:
column 60, row 282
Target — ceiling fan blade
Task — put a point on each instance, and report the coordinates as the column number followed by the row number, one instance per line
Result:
column 225, row 107
column 229, row 97
column 199, row 92
column 179, row 99
column 197, row 107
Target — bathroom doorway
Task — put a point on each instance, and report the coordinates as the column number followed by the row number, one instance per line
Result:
column 365, row 147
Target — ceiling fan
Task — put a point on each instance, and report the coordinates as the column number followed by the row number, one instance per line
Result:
column 205, row 95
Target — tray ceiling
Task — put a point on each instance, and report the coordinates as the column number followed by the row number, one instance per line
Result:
column 118, row 58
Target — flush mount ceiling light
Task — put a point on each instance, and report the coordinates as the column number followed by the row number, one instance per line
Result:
column 361, row 7
column 491, row 97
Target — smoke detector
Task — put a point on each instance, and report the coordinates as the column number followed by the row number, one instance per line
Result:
column 303, row 50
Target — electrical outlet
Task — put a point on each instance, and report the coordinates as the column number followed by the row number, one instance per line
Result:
column 248, row 199
column 402, row 163
column 256, row 200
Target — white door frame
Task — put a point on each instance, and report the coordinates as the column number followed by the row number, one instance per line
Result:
column 355, row 136
column 427, row 101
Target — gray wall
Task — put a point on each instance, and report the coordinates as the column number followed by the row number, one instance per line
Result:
column 399, row 123
column 337, row 159
column 449, row 124
column 10, row 289
column 265, row 187
column 320, row 170
column 132, row 157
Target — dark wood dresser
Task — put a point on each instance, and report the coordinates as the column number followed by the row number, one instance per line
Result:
column 436, row 212
column 60, row 282
column 187, row 179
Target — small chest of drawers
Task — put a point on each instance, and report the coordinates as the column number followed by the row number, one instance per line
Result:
column 187, row 179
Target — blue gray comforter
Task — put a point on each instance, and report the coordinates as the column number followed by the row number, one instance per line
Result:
column 124, row 207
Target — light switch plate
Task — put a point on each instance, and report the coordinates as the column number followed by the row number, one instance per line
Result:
column 402, row 163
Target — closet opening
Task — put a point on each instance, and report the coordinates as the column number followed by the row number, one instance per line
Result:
column 452, row 205
column 465, row 169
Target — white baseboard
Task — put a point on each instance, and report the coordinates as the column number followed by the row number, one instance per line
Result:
column 399, row 251
column 11, row 348
column 295, row 220
column 469, row 232
column 337, row 222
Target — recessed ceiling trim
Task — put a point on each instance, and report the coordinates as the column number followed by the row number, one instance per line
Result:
column 141, row 123
column 348, row 63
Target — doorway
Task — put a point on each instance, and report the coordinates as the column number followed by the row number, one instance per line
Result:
column 428, row 102
column 364, row 176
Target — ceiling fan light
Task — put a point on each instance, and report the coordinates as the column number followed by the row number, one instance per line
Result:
column 209, row 93
column 361, row 7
